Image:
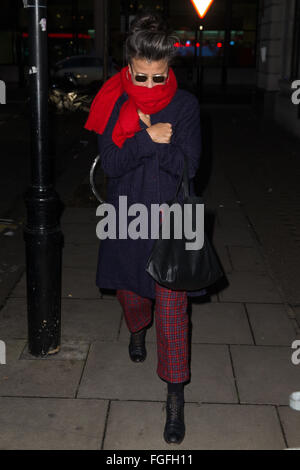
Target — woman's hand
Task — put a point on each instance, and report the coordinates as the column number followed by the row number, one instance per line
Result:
column 160, row 132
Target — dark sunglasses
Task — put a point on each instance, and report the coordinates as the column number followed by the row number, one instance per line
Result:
column 155, row 78
column 139, row 77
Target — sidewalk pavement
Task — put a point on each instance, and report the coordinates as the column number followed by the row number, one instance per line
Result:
column 91, row 396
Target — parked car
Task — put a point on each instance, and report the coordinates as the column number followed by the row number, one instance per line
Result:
column 85, row 69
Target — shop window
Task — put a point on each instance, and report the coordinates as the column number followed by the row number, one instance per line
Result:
column 242, row 48
column 212, row 47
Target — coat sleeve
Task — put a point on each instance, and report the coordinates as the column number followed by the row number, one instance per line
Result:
column 117, row 161
column 186, row 139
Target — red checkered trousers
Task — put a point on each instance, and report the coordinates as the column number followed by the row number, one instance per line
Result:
column 171, row 320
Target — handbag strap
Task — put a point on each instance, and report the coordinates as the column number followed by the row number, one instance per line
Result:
column 92, row 183
column 184, row 179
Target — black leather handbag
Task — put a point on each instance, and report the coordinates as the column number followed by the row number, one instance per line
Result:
column 171, row 264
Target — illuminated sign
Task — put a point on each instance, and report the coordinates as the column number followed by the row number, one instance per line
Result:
column 202, row 6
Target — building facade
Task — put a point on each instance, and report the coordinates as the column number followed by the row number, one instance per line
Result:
column 278, row 61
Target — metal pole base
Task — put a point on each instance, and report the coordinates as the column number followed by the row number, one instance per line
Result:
column 43, row 268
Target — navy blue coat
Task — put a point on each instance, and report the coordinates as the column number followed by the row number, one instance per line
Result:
column 146, row 172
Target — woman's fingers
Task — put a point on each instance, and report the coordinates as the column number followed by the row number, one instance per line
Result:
column 167, row 133
column 161, row 132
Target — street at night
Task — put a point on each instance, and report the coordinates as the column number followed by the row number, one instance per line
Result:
column 68, row 378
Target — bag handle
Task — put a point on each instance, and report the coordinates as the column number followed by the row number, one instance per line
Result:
column 184, row 179
column 92, row 184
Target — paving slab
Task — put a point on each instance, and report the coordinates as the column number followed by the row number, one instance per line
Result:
column 14, row 349
column 290, row 420
column 85, row 320
column 224, row 323
column 75, row 215
column 139, row 425
column 37, row 378
column 246, row 258
column 121, row 379
column 110, row 374
column 233, row 235
column 270, row 324
column 20, row 288
column 80, row 233
column 79, row 283
column 221, row 192
column 91, row 320
column 13, row 319
column 76, row 283
column 51, row 424
column 69, row 349
column 224, row 258
column 270, row 192
column 8, row 280
column 12, row 258
column 249, row 287
column 226, row 200
column 212, row 379
column 232, row 216
column 265, row 374
column 74, row 256
column 296, row 310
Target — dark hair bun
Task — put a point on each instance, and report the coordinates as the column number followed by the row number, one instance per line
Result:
column 150, row 38
column 148, row 22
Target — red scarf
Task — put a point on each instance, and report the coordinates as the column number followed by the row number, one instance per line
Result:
column 148, row 100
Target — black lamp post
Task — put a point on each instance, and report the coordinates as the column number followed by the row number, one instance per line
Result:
column 42, row 234
column 201, row 7
column 199, row 60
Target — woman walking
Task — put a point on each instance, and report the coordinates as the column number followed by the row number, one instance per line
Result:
column 145, row 123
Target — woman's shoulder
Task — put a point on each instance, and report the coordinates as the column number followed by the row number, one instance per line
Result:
column 185, row 98
column 120, row 100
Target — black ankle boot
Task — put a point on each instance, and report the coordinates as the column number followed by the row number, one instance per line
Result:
column 174, row 429
column 137, row 349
